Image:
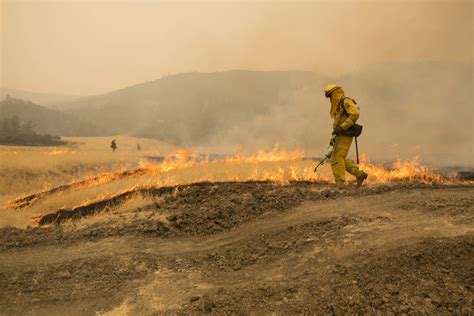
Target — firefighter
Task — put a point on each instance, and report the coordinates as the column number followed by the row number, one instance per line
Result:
column 113, row 145
column 345, row 113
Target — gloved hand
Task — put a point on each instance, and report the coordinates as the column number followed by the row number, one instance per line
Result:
column 329, row 151
column 338, row 130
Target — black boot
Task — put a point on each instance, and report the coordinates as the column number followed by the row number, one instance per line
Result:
column 361, row 179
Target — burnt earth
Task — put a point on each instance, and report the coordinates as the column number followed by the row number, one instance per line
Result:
column 251, row 248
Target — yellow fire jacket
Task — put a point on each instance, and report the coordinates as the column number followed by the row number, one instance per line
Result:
column 345, row 113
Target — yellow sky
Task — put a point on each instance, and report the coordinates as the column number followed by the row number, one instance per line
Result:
column 89, row 47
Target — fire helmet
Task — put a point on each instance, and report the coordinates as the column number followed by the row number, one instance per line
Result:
column 329, row 89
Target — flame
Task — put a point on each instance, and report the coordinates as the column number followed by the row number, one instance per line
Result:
column 278, row 153
column 408, row 170
column 277, row 165
column 294, row 170
column 178, row 159
column 60, row 151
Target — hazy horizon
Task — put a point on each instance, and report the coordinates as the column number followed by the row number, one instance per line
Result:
column 340, row 75
column 93, row 47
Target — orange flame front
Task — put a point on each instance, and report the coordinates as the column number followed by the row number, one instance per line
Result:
column 409, row 171
column 277, row 165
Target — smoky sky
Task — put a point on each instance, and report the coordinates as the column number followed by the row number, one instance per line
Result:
column 91, row 47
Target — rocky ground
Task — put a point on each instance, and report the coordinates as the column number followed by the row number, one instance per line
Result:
column 252, row 248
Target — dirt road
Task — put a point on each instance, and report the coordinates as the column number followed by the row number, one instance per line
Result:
column 255, row 248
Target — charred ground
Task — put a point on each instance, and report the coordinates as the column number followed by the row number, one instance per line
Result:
column 249, row 247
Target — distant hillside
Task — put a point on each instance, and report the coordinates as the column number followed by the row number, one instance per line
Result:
column 47, row 121
column 45, row 99
column 197, row 108
column 15, row 132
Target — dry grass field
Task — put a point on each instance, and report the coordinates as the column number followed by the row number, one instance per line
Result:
column 29, row 169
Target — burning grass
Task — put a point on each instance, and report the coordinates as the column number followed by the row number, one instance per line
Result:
column 182, row 167
column 408, row 170
column 277, row 166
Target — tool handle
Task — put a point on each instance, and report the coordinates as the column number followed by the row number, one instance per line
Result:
column 320, row 163
column 357, row 150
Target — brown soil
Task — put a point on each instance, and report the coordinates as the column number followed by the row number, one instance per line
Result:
column 252, row 248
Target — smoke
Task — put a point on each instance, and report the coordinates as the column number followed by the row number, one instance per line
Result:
column 408, row 64
column 334, row 38
column 407, row 109
column 82, row 47
column 423, row 108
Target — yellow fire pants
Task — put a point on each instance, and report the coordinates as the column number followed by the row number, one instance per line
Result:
column 339, row 162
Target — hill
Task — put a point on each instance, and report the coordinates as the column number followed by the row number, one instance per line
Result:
column 196, row 108
column 45, row 99
column 47, row 121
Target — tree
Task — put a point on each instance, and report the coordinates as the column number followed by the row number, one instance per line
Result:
column 27, row 128
column 13, row 132
column 11, row 127
column 15, row 125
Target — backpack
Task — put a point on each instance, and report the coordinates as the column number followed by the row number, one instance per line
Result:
column 356, row 129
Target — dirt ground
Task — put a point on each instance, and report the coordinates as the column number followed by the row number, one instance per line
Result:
column 251, row 248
